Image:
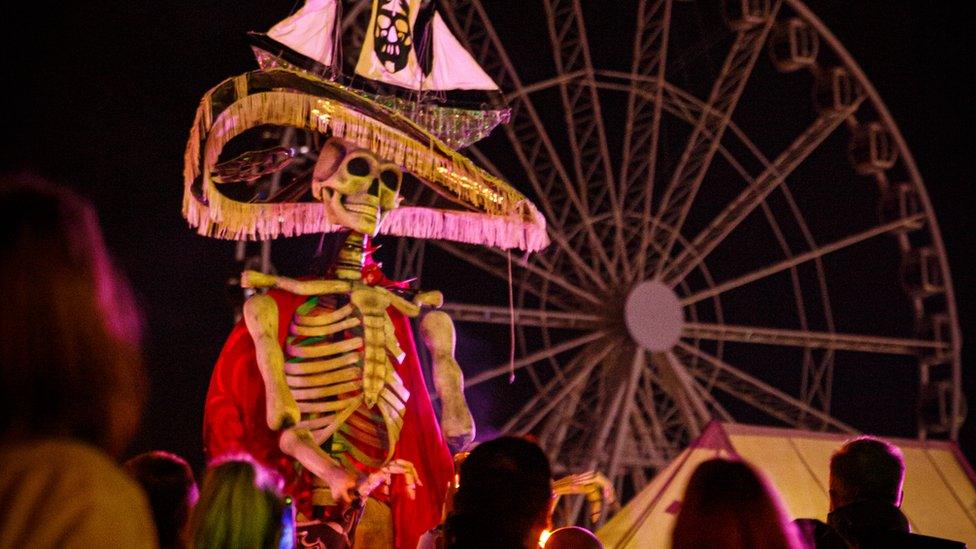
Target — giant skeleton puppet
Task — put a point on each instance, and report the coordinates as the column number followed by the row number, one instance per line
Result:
column 321, row 380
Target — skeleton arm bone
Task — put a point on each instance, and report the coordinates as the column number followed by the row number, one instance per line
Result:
column 261, row 317
column 256, row 279
column 299, row 443
column 424, row 299
column 457, row 424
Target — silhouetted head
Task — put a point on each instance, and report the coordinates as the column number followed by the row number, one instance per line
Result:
column 172, row 491
column 572, row 537
column 69, row 355
column 729, row 505
column 866, row 469
column 240, row 507
column 504, row 496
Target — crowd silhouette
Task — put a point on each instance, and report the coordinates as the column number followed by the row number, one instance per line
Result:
column 71, row 388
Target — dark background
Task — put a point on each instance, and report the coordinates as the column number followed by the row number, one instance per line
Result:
column 100, row 96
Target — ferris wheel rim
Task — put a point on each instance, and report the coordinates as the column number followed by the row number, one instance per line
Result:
column 906, row 159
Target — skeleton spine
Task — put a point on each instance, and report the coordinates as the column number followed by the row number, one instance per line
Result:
column 349, row 265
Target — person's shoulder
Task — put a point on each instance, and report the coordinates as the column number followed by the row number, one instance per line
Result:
column 79, row 492
column 818, row 534
column 910, row 541
column 73, row 461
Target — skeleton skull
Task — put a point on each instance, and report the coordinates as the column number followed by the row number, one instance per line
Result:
column 356, row 187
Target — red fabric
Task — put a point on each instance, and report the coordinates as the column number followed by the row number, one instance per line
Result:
column 234, row 421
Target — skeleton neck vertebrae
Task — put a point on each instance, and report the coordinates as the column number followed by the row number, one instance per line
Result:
column 352, row 255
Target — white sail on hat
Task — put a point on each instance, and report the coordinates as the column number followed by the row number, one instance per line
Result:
column 296, row 90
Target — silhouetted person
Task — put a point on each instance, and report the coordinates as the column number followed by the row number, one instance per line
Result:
column 730, row 505
column 71, row 380
column 866, row 478
column 241, row 507
column 572, row 537
column 168, row 482
column 503, row 498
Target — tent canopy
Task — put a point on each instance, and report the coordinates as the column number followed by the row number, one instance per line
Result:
column 940, row 487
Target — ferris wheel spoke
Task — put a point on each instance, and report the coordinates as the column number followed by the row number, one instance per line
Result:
column 755, row 392
column 529, row 137
column 352, row 13
column 534, row 357
column 641, row 136
column 649, row 404
column 676, row 380
column 502, row 273
column 588, row 361
column 649, row 451
column 715, row 407
column 584, row 121
column 626, row 408
column 485, row 162
column 707, row 134
column 648, row 65
column 545, row 393
column 756, row 192
column 543, row 167
column 486, row 314
column 811, row 339
column 802, row 258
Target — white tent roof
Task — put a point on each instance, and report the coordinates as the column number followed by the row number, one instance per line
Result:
column 940, row 486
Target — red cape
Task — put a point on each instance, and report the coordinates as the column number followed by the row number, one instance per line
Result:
column 234, row 422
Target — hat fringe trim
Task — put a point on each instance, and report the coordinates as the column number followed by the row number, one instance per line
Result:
column 507, row 219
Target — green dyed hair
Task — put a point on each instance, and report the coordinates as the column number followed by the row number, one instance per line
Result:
column 240, row 507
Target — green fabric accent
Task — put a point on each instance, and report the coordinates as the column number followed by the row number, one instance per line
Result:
column 304, row 308
column 309, row 341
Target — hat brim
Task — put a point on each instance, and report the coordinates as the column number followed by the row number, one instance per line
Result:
column 491, row 212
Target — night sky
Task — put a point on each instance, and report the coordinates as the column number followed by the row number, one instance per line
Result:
column 100, row 96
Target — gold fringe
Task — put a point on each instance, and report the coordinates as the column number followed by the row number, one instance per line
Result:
column 432, row 161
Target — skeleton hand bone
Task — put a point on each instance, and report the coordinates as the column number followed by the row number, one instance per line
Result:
column 384, row 476
column 432, row 299
column 594, row 485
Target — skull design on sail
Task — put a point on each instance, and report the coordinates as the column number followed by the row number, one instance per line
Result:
column 392, row 39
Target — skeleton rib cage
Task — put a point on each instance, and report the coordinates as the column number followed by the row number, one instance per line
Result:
column 324, row 371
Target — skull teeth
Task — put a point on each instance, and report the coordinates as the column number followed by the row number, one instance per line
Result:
column 361, row 209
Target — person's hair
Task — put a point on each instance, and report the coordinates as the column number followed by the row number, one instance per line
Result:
column 240, row 507
column 168, row 482
column 69, row 356
column 505, row 490
column 572, row 537
column 729, row 505
column 867, row 468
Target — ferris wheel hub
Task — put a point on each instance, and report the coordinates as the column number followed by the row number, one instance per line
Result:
column 653, row 316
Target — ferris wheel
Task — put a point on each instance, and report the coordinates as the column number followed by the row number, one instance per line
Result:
column 738, row 231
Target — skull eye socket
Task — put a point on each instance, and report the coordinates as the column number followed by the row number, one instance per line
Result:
column 390, row 178
column 358, row 167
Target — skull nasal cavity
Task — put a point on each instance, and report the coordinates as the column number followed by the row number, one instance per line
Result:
column 374, row 187
column 358, row 166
